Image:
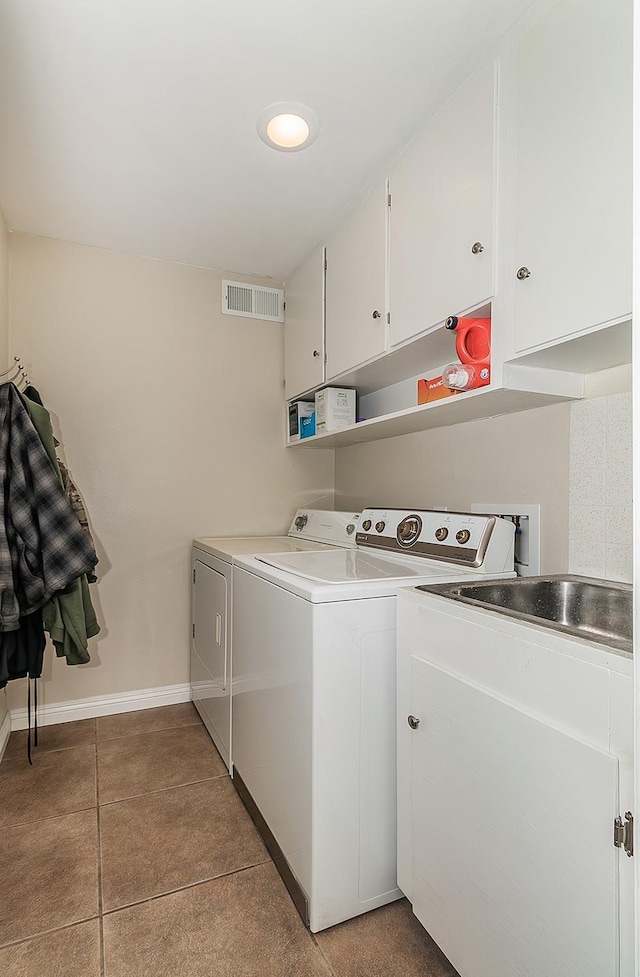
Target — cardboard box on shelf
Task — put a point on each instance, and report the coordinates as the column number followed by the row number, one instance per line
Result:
column 433, row 389
column 297, row 411
column 335, row 409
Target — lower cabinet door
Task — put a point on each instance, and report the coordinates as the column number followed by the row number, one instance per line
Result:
column 514, row 868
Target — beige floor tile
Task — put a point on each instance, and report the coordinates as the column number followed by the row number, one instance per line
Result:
column 58, row 783
column 147, row 720
column 62, row 736
column 49, row 873
column 387, row 942
column 71, row 952
column 242, row 925
column 166, row 758
column 160, row 842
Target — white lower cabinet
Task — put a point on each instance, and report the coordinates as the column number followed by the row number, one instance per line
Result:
column 509, row 785
column 512, row 873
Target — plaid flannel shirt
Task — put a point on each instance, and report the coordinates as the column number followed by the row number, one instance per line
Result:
column 43, row 548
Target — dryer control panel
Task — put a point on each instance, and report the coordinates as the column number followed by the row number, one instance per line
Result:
column 481, row 542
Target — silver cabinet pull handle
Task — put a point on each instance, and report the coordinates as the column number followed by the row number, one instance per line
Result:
column 477, row 248
column 413, row 721
column 523, row 273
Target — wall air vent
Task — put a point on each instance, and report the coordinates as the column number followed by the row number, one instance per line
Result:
column 252, row 301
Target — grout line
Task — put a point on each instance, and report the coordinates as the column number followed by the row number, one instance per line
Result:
column 49, row 817
column 162, row 790
column 144, row 732
column 322, row 953
column 39, row 754
column 185, row 888
column 99, row 853
column 42, row 753
column 56, row 929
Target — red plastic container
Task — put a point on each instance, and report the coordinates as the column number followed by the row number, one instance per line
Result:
column 473, row 338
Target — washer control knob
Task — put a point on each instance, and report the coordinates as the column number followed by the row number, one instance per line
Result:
column 351, row 528
column 366, row 525
column 301, row 522
column 413, row 721
column 441, row 534
column 380, row 526
column 463, row 536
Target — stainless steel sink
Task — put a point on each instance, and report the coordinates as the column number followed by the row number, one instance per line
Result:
column 598, row 610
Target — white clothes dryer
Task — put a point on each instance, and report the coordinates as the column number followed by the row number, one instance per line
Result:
column 213, row 560
column 314, row 697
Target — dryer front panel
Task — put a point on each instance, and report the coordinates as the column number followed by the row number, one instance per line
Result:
column 210, row 621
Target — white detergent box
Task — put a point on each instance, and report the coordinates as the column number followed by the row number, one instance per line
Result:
column 335, row 408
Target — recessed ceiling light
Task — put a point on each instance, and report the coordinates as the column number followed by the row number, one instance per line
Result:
column 287, row 126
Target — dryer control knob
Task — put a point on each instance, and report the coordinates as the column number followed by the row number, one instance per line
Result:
column 366, row 525
column 441, row 534
column 463, row 536
column 380, row 526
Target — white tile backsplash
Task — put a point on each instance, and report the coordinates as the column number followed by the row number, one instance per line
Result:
column 600, row 487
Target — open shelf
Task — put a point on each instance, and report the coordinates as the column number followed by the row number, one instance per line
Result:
column 474, row 405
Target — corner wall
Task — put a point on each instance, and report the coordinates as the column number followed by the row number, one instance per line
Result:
column 172, row 421
column 521, row 457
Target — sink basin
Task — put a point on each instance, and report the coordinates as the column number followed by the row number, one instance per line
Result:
column 598, row 610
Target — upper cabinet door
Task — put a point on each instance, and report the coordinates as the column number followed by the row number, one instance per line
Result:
column 356, row 326
column 573, row 176
column 442, row 213
column 304, row 350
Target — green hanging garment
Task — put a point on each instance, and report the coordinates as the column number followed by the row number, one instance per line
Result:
column 69, row 617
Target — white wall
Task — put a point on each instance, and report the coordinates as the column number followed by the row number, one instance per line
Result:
column 4, row 332
column 520, row 457
column 172, row 419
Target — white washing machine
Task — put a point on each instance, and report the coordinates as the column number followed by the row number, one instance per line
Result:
column 314, row 697
column 212, row 596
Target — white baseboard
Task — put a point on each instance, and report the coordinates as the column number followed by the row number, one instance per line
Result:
column 5, row 733
column 100, row 705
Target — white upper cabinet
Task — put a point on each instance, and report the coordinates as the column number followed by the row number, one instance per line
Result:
column 442, row 213
column 571, row 216
column 356, row 320
column 304, row 350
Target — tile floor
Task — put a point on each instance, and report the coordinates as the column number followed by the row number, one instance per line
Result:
column 126, row 852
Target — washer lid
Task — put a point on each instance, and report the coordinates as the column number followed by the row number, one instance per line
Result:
column 349, row 566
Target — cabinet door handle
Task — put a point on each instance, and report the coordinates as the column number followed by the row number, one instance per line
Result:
column 218, row 628
column 413, row 721
column 375, row 314
column 477, row 248
column 523, row 273
column 316, row 353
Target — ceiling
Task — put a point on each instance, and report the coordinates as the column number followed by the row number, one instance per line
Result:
column 131, row 124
